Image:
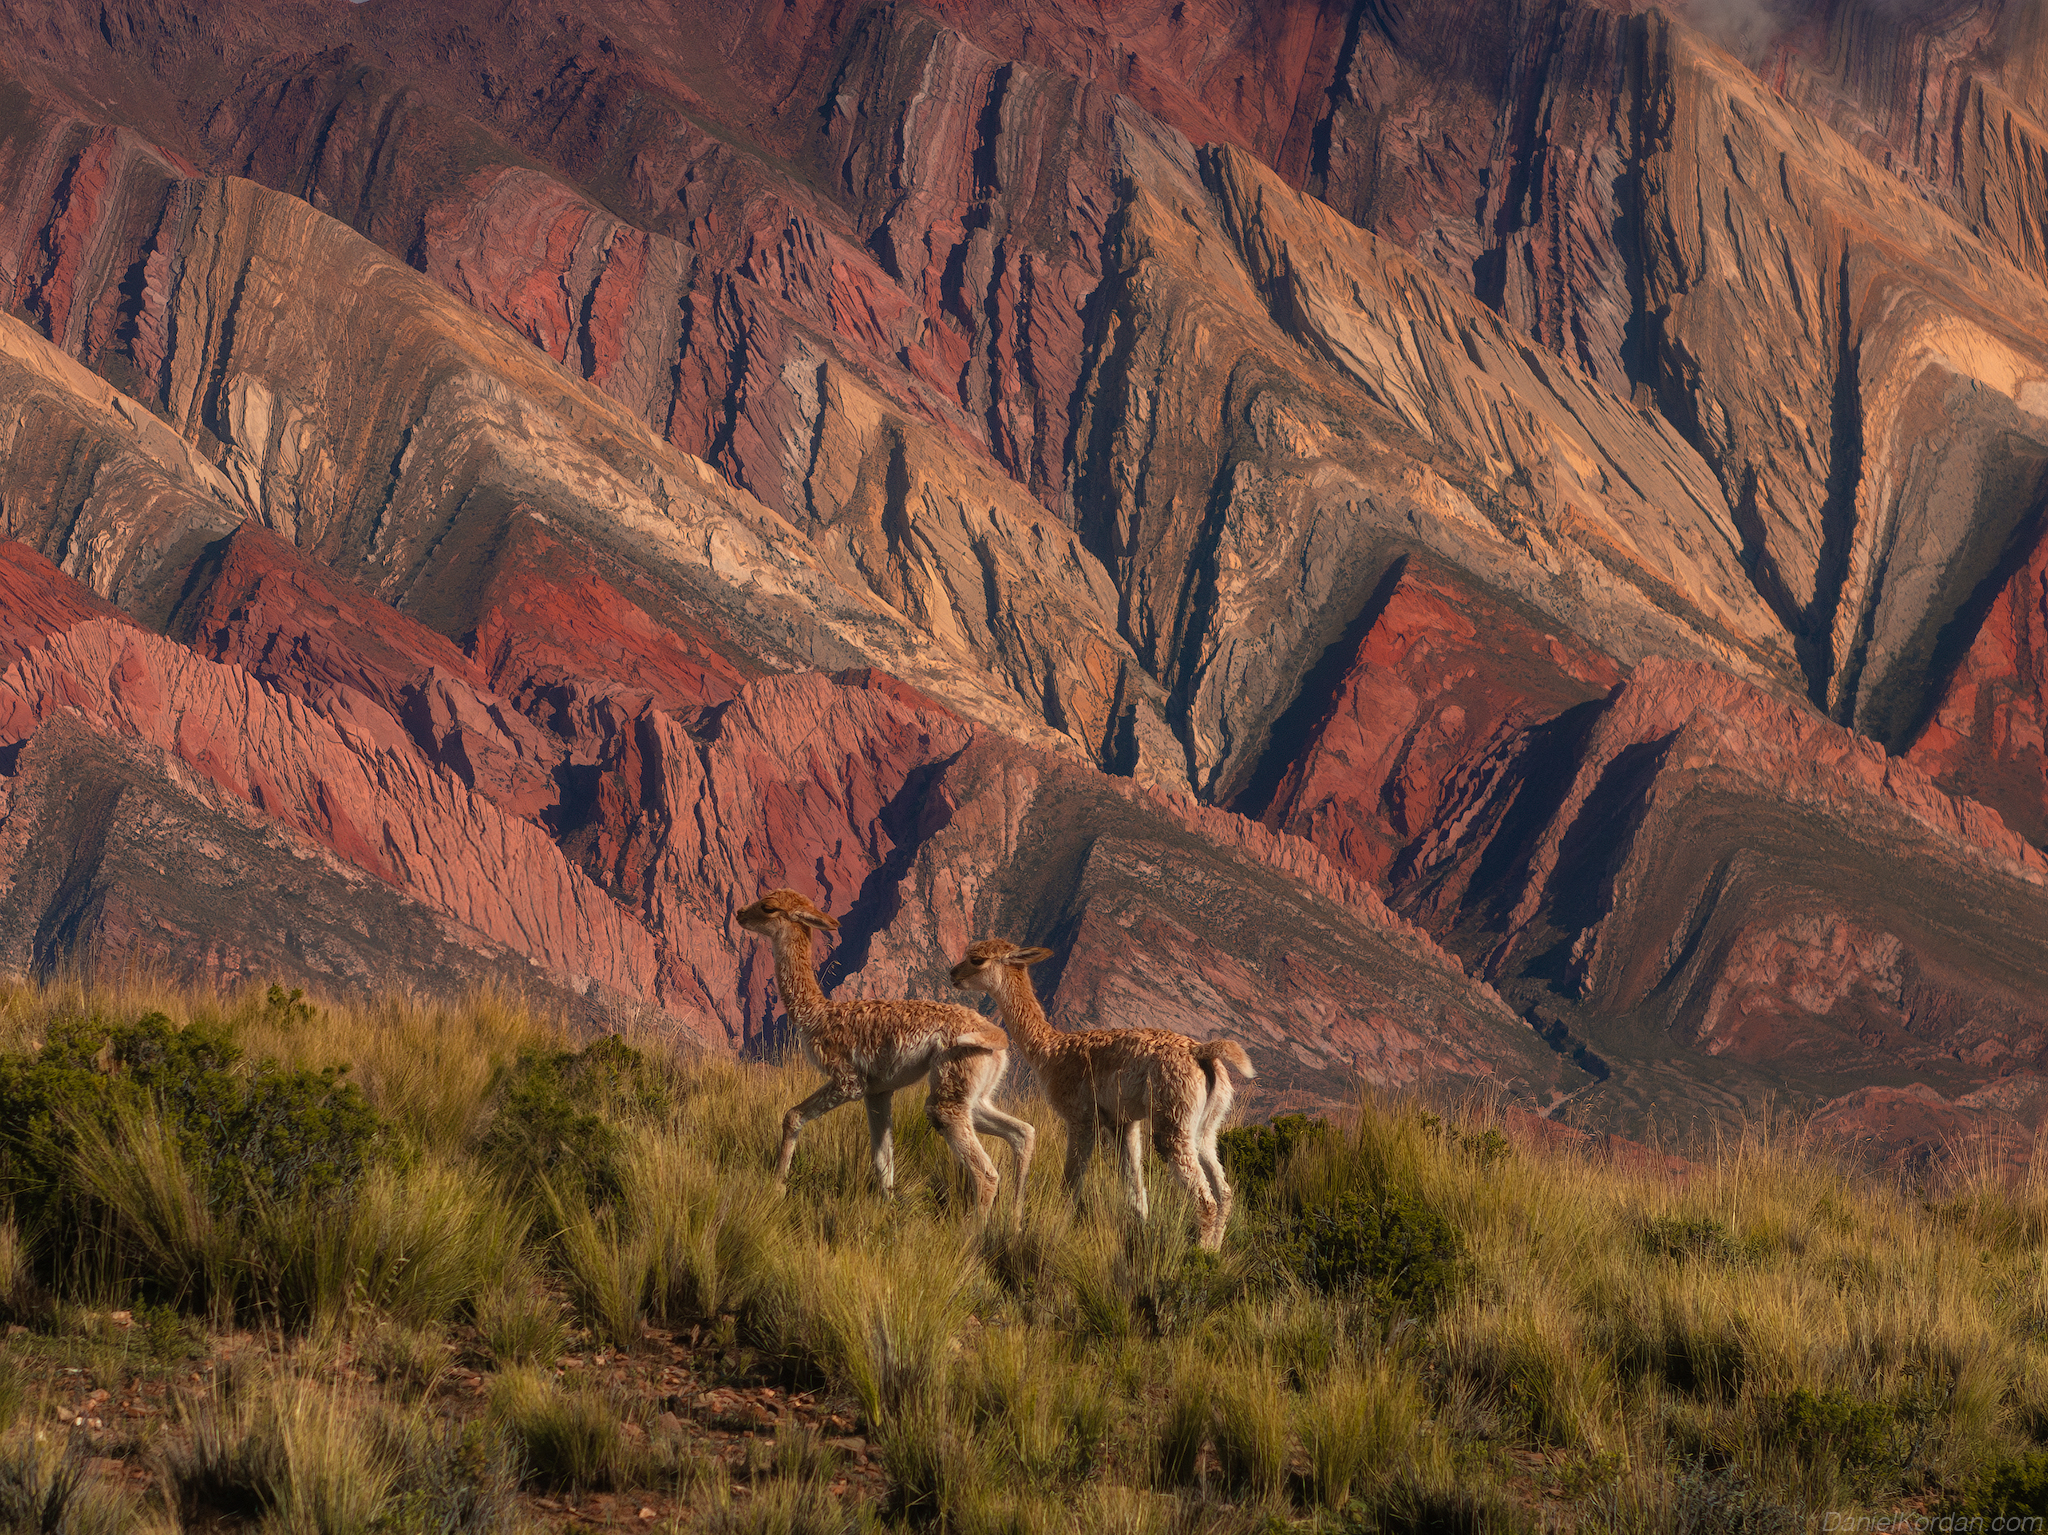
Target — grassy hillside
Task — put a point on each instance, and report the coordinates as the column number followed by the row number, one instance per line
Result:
column 437, row 1270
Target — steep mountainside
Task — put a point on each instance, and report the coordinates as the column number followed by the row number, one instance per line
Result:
column 1478, row 541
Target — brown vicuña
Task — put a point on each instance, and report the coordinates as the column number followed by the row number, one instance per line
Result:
column 872, row 1049
column 1119, row 1079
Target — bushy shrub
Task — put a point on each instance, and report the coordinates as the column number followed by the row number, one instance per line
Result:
column 554, row 1126
column 2012, row 1485
column 287, row 1010
column 453, row 1478
column 162, row 1332
column 1388, row 1245
column 1687, row 1236
column 1254, row 1154
column 246, row 1135
column 1852, row 1430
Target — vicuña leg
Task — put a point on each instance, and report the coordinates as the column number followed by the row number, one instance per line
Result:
column 955, row 1123
column 988, row 1120
column 1219, row 1186
column 880, row 1141
column 958, row 1079
column 823, row 1101
column 1176, row 1149
column 1134, row 1169
column 1080, row 1148
column 1214, row 1112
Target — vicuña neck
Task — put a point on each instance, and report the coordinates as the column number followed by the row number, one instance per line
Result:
column 1017, row 1001
column 802, row 998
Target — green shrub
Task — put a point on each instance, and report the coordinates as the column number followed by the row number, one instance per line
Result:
column 1682, row 1237
column 1486, row 1147
column 453, row 1479
column 553, row 1126
column 1389, row 1246
column 245, row 1135
column 162, row 1332
column 287, row 1010
column 1851, row 1430
column 1254, row 1154
column 2012, row 1485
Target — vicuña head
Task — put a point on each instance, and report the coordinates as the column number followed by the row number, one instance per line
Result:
column 982, row 969
column 782, row 910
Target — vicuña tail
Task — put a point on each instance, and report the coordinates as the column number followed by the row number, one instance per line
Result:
column 1218, row 1058
column 968, row 1041
column 1225, row 1052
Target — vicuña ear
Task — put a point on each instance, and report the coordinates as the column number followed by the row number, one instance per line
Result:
column 818, row 920
column 1025, row 957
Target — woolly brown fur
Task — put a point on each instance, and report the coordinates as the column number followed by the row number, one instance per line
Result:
column 1116, row 1081
column 872, row 1049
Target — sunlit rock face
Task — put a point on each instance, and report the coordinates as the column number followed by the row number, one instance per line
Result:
column 1468, row 544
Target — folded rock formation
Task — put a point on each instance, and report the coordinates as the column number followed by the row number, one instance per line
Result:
column 1482, row 543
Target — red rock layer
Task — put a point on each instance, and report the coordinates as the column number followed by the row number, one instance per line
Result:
column 304, row 632
column 546, row 617
column 268, row 609
column 37, row 600
column 313, row 707
column 1441, row 682
column 1698, row 856
column 341, row 772
column 1985, row 737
